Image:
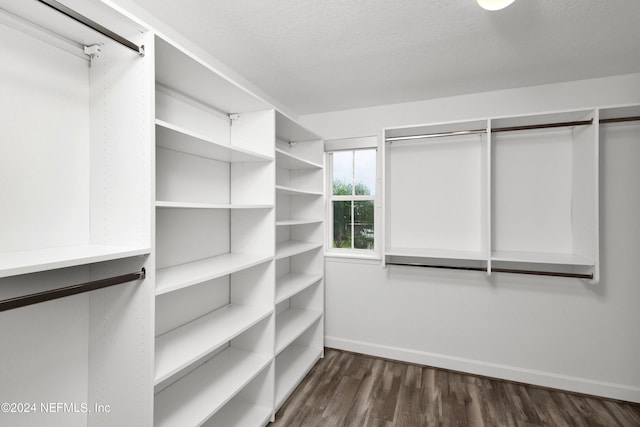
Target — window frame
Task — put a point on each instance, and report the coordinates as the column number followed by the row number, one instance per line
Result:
column 352, row 144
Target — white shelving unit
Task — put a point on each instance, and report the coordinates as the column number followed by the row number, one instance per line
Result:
column 299, row 337
column 502, row 194
column 75, row 179
column 215, row 215
column 155, row 162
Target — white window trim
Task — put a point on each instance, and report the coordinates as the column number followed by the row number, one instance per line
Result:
column 350, row 144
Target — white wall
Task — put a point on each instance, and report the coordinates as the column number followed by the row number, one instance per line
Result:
column 554, row 332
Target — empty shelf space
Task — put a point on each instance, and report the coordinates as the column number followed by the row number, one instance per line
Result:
column 541, row 258
column 437, row 253
column 293, row 247
column 291, row 367
column 240, row 414
column 292, row 283
column 180, row 276
column 189, row 205
column 180, row 347
column 200, row 394
column 287, row 160
column 177, row 138
column 290, row 191
column 31, row 261
column 290, row 324
column 173, row 64
column 298, row 221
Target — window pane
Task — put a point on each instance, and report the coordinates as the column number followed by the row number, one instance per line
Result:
column 363, row 224
column 365, row 173
column 342, row 225
column 342, row 173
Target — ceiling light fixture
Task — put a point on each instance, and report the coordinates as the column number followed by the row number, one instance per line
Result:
column 494, row 4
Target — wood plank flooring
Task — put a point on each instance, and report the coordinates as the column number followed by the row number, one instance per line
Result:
column 349, row 389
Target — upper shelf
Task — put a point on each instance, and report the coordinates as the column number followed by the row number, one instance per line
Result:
column 188, row 75
column 31, row 261
column 289, row 131
column 178, row 138
column 289, row 161
column 289, row 191
column 190, row 205
column 298, row 221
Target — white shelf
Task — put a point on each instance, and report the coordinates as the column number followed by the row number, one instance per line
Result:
column 291, row 367
column 177, row 138
column 188, row 205
column 182, row 72
column 177, row 349
column 291, row 323
column 240, row 414
column 541, row 258
column 288, row 130
column 292, row 283
column 298, row 221
column 200, row 394
column 180, row 276
column 437, row 253
column 289, row 161
column 289, row 191
column 293, row 247
column 23, row 262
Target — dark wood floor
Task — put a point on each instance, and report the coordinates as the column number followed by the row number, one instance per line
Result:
column 348, row 389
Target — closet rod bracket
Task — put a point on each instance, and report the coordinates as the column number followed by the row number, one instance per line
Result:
column 93, row 51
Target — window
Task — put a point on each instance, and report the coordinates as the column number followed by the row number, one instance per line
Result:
column 352, row 198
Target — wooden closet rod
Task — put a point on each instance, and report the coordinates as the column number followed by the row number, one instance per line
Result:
column 496, row 270
column 93, row 25
column 25, row 300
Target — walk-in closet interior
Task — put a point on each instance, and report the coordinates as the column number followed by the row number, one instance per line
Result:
column 175, row 249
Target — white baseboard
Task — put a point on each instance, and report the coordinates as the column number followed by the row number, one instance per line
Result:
column 510, row 373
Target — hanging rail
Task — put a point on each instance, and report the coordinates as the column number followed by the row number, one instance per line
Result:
column 435, row 135
column 544, row 126
column 25, row 300
column 493, row 130
column 93, row 25
column 496, row 270
column 620, row 119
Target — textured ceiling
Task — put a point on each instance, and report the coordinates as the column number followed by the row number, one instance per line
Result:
column 325, row 55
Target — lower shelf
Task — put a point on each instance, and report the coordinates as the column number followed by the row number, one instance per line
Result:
column 193, row 399
column 291, row 323
column 436, row 253
column 180, row 347
column 240, row 414
column 292, row 365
